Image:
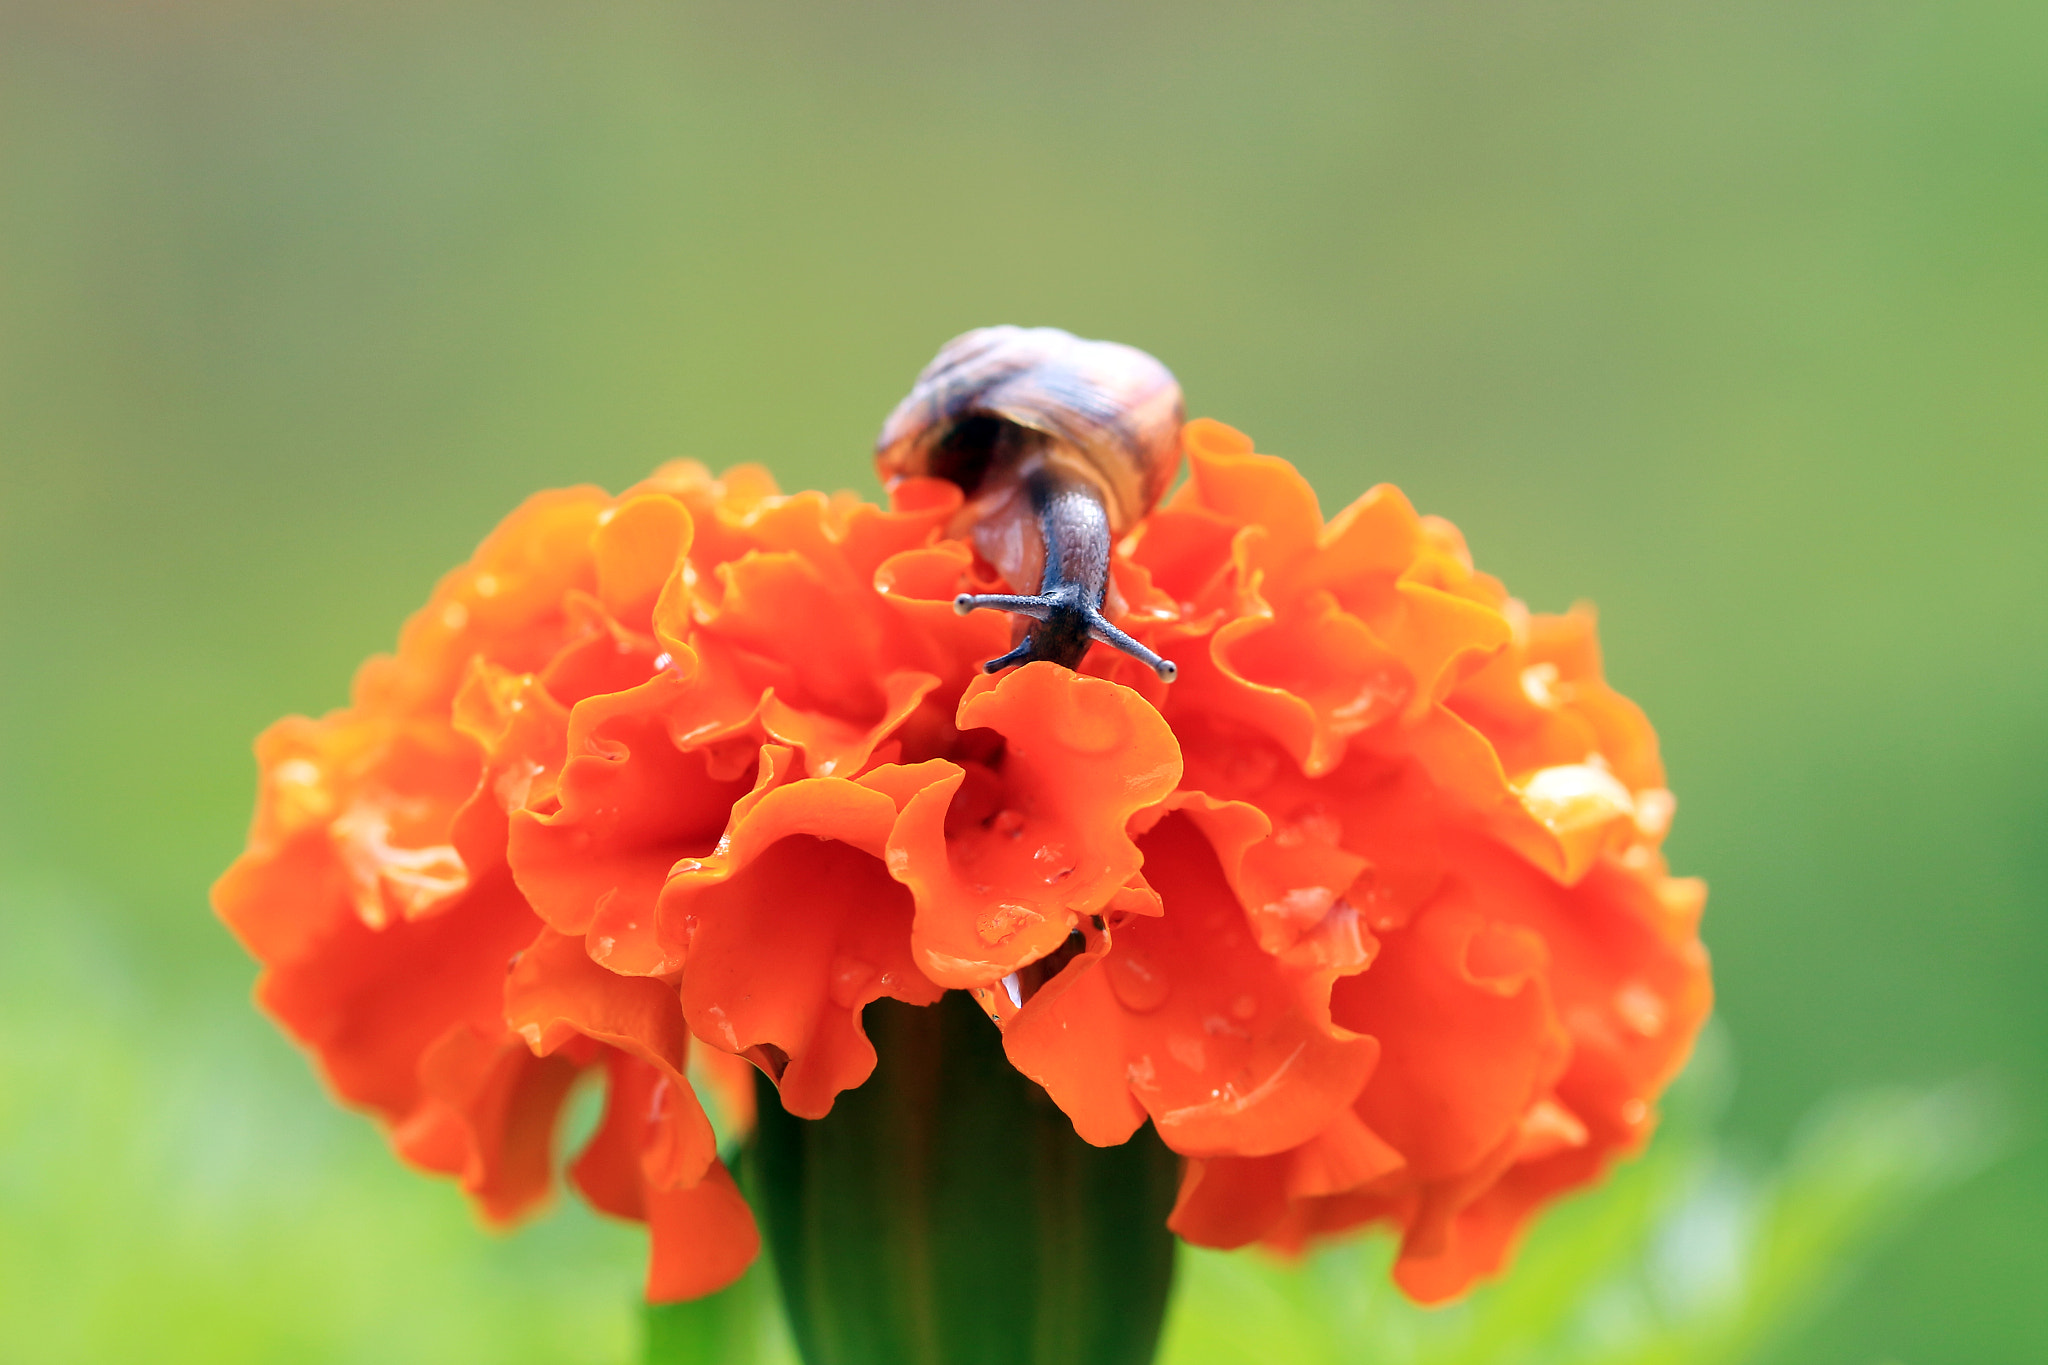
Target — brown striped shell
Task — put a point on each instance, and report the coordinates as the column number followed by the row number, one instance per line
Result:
column 1105, row 412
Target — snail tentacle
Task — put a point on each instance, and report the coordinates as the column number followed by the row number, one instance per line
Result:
column 1037, row 608
column 1020, row 655
column 1101, row 629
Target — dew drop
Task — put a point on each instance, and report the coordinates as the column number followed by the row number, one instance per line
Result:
column 1188, row 1051
column 850, row 976
column 1640, row 1008
column 1002, row 921
column 1137, row 980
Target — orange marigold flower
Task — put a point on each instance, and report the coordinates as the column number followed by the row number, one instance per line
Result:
column 1364, row 913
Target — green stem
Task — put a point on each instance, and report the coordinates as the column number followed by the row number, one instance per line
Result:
column 945, row 1213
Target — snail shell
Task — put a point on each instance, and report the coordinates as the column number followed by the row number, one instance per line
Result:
column 997, row 397
column 1060, row 445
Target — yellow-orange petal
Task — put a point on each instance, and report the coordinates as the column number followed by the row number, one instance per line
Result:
column 1365, row 548
column 637, row 545
column 506, row 603
column 1440, row 637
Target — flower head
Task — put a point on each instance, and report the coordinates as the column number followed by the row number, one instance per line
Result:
column 1364, row 913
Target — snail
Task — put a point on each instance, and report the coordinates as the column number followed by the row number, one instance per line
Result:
column 1060, row 445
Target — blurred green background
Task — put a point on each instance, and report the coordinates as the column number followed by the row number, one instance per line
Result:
column 1732, row 317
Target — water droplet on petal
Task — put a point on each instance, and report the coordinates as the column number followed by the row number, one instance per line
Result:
column 1002, row 921
column 1138, row 981
column 1640, row 1008
column 1539, row 684
column 850, row 977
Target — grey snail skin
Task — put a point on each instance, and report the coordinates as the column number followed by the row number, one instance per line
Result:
column 1061, row 445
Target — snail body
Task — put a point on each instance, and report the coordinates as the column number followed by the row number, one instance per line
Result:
column 1060, row 445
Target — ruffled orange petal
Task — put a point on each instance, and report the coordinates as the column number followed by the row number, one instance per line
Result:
column 556, row 996
column 360, row 808
column 1627, row 970
column 507, row 604
column 1368, row 833
column 702, row 1237
column 1229, row 1202
column 1461, row 1006
column 371, row 1002
column 607, row 1171
column 1225, row 475
column 798, row 612
column 702, row 1233
column 832, row 746
column 1228, row 1048
column 1005, row 860
column 488, row 1118
column 801, row 868
column 1329, row 636
column 629, row 806
column 600, row 654
column 918, row 586
column 523, row 732
column 1310, row 679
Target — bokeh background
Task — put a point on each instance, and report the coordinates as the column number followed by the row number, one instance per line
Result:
column 1731, row 317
